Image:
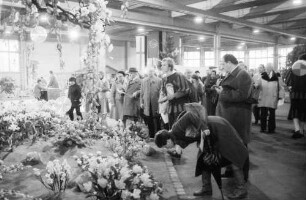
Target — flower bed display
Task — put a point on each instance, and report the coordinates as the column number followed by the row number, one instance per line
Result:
column 41, row 128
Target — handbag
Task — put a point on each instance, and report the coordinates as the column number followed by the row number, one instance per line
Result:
column 254, row 95
column 211, row 157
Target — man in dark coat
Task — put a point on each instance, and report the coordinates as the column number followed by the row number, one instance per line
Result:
column 232, row 105
column 74, row 94
column 226, row 142
column 131, row 102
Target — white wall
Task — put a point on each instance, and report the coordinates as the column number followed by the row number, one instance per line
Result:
column 48, row 59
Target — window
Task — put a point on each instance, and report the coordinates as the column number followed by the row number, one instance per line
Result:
column 191, row 57
column 140, row 51
column 282, row 56
column 260, row 56
column 238, row 54
column 209, row 59
column 9, row 55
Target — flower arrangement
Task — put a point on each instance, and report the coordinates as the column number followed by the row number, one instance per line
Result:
column 114, row 178
column 139, row 129
column 125, row 143
column 57, row 176
column 7, row 85
column 10, row 169
column 14, row 194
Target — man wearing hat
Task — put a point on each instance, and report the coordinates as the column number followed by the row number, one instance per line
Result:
column 74, row 94
column 131, row 103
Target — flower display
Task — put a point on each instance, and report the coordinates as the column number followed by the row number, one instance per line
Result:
column 57, row 176
column 4, row 169
column 113, row 177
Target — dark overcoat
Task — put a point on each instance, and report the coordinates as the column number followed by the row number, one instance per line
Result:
column 226, row 139
column 232, row 103
column 131, row 105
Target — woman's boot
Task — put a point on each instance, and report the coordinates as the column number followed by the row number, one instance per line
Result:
column 206, row 188
column 240, row 191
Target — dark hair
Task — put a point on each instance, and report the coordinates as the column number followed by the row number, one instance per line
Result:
column 121, row 72
column 170, row 62
column 214, row 71
column 302, row 57
column 161, row 138
column 194, row 76
column 230, row 58
column 72, row 79
column 197, row 71
column 51, row 72
column 38, row 81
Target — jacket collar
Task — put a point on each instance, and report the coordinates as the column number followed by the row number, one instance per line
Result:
column 233, row 73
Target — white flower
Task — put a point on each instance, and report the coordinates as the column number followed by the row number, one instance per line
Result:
column 137, row 169
column 125, row 194
column 99, row 153
column 136, row 193
column 154, row 196
column 145, row 178
column 120, row 184
column 92, row 7
column 87, row 186
column 84, row 11
column 36, row 172
column 102, row 182
column 110, row 48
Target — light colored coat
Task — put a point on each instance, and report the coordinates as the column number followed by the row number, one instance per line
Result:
column 232, row 102
column 131, row 104
column 53, row 82
column 149, row 94
column 117, row 100
column 270, row 92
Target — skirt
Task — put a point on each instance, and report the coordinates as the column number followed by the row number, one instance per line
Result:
column 297, row 109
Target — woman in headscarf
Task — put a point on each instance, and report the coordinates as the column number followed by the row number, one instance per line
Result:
column 192, row 126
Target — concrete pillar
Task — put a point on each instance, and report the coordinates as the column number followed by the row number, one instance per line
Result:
column 202, row 58
column 23, row 65
column 275, row 57
column 217, row 49
column 246, row 57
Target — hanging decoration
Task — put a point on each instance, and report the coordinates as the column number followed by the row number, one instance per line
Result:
column 38, row 34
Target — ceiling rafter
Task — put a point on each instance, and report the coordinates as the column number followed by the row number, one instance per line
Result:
column 231, row 7
column 272, row 9
column 194, row 11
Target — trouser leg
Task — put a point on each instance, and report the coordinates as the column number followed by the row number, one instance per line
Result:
column 263, row 118
column 206, row 185
column 78, row 112
column 271, row 123
column 240, row 188
column 70, row 113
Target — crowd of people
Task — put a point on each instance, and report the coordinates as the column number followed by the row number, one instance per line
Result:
column 180, row 109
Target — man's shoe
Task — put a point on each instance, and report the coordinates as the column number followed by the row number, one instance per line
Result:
column 204, row 191
column 227, row 174
column 238, row 194
column 297, row 135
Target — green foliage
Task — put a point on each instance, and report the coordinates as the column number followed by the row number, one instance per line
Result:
column 295, row 53
column 7, row 85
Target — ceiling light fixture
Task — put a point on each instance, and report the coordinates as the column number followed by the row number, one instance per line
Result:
column 297, row 2
column 293, row 38
column 242, row 43
column 201, row 38
column 198, row 20
column 239, row 47
column 140, row 29
column 256, row 31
